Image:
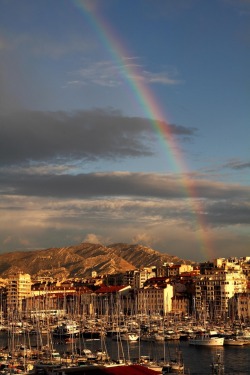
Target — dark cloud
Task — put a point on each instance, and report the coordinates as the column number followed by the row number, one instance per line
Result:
column 228, row 212
column 118, row 184
column 90, row 135
column 238, row 165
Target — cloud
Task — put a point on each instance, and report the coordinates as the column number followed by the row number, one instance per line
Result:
column 238, row 165
column 137, row 205
column 113, row 74
column 227, row 212
column 143, row 238
column 92, row 238
column 119, row 184
column 166, row 225
column 62, row 137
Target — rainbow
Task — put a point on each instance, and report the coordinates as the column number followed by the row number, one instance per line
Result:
column 152, row 110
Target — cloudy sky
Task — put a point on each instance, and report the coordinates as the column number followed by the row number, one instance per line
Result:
column 125, row 121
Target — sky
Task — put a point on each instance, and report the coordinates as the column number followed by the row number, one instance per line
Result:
column 125, row 121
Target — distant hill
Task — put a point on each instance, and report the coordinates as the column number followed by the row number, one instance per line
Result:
column 80, row 260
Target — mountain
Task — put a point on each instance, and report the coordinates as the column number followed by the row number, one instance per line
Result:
column 80, row 260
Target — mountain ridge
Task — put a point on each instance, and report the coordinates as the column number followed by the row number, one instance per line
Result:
column 81, row 259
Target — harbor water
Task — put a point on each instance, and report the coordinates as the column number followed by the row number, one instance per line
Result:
column 197, row 360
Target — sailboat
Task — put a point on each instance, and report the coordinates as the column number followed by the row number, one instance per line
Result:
column 174, row 366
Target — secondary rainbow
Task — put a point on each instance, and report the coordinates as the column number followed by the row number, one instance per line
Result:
column 152, row 110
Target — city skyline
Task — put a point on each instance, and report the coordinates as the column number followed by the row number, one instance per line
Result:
column 125, row 122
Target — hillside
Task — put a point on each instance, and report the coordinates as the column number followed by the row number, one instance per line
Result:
column 80, row 260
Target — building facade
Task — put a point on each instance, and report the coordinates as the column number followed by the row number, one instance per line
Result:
column 154, row 300
column 18, row 289
column 215, row 288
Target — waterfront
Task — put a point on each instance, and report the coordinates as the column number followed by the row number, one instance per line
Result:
column 197, row 360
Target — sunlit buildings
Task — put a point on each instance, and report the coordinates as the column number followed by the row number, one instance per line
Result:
column 18, row 289
column 216, row 286
column 141, row 276
column 239, row 306
column 155, row 298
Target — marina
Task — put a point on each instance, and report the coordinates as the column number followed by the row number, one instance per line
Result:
column 57, row 328
column 24, row 347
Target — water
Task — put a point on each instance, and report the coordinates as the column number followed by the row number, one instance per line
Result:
column 197, row 360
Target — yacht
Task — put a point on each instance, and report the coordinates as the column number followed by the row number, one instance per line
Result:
column 67, row 329
column 206, row 340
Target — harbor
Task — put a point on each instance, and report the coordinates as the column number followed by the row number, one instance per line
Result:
column 171, row 319
column 67, row 344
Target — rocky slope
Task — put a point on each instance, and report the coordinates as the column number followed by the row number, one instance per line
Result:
column 80, row 260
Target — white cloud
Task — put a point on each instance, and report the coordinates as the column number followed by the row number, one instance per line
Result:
column 92, row 238
column 114, row 74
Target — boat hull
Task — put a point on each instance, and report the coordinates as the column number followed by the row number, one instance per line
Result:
column 207, row 341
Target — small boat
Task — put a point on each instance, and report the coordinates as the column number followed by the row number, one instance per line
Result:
column 88, row 355
column 67, row 329
column 174, row 366
column 129, row 337
column 234, row 341
column 91, row 334
column 244, row 335
column 206, row 340
column 172, row 369
column 147, row 337
column 148, row 363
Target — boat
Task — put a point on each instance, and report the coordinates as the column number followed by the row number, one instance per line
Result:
column 129, row 337
column 244, row 334
column 233, row 341
column 94, row 335
column 174, row 365
column 66, row 329
column 159, row 337
column 206, row 340
column 148, row 363
column 172, row 368
column 147, row 337
column 114, row 369
column 89, row 355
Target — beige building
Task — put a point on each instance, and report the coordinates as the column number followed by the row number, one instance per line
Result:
column 173, row 270
column 180, row 305
column 154, row 300
column 215, row 288
column 141, row 276
column 239, row 306
column 18, row 289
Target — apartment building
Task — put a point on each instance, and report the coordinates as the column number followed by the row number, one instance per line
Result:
column 154, row 299
column 18, row 289
column 215, row 288
column 180, row 305
column 239, row 306
column 141, row 276
column 178, row 269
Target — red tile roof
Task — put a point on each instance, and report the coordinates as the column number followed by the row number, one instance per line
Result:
column 109, row 289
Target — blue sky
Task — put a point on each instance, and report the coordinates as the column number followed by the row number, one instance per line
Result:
column 80, row 156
